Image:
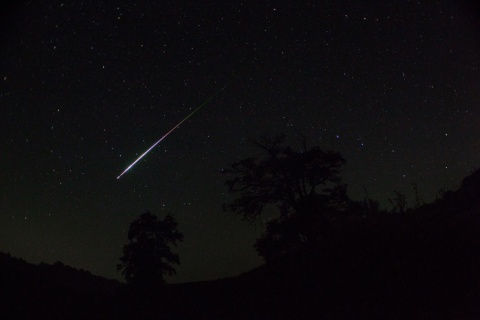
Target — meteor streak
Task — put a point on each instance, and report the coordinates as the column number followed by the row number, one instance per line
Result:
column 166, row 134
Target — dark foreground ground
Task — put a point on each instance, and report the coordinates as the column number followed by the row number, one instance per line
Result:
column 419, row 264
column 356, row 282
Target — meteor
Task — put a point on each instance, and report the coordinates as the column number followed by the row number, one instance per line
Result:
column 175, row 127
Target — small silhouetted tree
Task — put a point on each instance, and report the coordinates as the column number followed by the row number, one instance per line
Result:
column 147, row 257
column 303, row 185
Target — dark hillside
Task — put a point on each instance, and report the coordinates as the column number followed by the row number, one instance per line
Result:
column 56, row 291
column 419, row 264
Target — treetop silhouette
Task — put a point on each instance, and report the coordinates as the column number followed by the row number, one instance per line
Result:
column 289, row 179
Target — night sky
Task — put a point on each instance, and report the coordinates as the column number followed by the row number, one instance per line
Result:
column 88, row 86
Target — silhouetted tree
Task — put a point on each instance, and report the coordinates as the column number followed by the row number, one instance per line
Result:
column 303, row 185
column 147, row 257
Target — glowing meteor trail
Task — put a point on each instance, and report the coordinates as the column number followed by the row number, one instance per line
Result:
column 166, row 134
